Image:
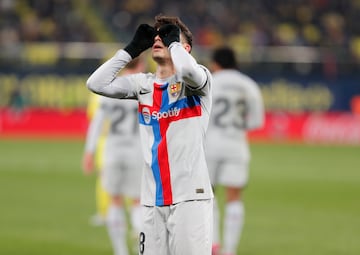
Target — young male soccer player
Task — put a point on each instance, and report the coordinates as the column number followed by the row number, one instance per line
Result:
column 174, row 108
column 238, row 107
column 123, row 163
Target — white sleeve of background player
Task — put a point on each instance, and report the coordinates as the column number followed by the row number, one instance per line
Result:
column 95, row 129
column 187, row 67
column 105, row 80
column 255, row 105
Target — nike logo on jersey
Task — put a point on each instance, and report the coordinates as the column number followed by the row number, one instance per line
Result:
column 143, row 92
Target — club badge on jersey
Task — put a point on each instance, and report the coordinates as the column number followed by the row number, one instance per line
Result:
column 175, row 89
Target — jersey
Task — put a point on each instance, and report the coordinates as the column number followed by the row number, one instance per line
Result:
column 237, row 108
column 120, row 117
column 122, row 157
column 173, row 119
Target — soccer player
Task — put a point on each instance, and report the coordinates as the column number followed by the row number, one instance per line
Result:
column 123, row 163
column 238, row 107
column 174, row 109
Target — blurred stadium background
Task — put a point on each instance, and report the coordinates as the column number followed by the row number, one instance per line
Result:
column 305, row 55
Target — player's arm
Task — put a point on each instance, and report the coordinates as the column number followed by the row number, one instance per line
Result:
column 255, row 108
column 105, row 80
column 185, row 65
column 92, row 137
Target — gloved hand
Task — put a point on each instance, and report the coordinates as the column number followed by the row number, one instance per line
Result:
column 169, row 33
column 142, row 40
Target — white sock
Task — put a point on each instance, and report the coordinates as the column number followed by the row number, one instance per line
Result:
column 234, row 220
column 216, row 228
column 116, row 225
column 136, row 218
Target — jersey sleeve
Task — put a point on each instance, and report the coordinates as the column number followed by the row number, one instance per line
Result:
column 187, row 68
column 105, row 80
column 255, row 107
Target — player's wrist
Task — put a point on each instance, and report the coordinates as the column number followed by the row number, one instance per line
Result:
column 132, row 50
column 174, row 44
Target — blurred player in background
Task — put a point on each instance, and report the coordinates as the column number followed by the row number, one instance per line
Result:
column 122, row 160
column 95, row 161
column 174, row 109
column 237, row 108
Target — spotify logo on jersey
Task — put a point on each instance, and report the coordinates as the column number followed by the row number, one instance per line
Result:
column 155, row 115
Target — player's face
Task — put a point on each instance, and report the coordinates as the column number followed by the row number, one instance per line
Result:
column 159, row 51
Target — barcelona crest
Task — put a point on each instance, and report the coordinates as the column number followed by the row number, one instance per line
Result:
column 175, row 89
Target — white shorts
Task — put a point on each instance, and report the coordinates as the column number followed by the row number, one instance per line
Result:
column 122, row 175
column 181, row 229
column 229, row 172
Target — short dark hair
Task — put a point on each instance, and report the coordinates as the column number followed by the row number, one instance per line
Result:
column 161, row 20
column 225, row 57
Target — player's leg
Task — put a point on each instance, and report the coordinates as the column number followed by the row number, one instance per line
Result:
column 234, row 176
column 233, row 220
column 116, row 218
column 190, row 226
column 117, row 226
column 102, row 198
column 216, row 246
column 214, row 164
column 133, row 209
column 135, row 216
column 132, row 173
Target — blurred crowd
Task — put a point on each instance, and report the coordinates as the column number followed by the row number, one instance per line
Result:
column 262, row 22
column 249, row 23
column 41, row 20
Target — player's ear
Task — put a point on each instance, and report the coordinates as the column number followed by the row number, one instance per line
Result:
column 184, row 43
column 187, row 47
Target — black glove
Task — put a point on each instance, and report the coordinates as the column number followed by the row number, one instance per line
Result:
column 169, row 33
column 142, row 40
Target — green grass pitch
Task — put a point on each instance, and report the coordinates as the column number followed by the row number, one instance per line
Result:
column 301, row 200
